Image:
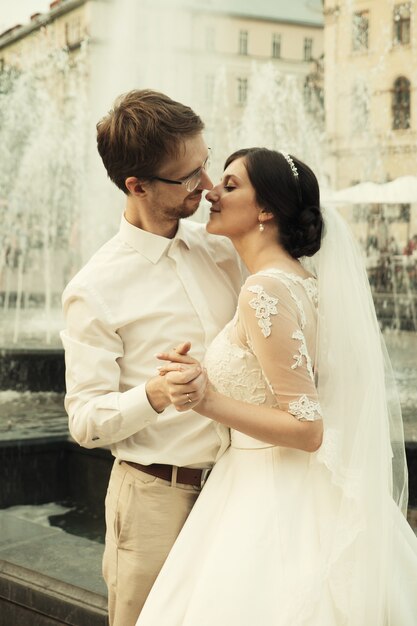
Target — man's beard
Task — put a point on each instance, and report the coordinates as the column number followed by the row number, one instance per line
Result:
column 183, row 210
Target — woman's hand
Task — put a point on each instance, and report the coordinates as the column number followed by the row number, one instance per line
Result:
column 185, row 379
column 189, row 395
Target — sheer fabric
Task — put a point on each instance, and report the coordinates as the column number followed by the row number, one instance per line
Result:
column 277, row 323
column 363, row 429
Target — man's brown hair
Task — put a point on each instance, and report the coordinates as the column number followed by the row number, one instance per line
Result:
column 143, row 128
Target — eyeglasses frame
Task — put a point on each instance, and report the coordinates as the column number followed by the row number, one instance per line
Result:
column 185, row 181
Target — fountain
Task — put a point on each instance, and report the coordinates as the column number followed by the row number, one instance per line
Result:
column 57, row 207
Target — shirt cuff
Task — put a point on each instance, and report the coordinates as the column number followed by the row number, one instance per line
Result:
column 135, row 408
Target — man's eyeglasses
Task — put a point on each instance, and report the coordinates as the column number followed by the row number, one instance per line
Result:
column 192, row 181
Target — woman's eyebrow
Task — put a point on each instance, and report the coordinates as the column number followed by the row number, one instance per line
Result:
column 228, row 177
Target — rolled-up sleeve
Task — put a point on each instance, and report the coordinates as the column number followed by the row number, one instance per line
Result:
column 99, row 413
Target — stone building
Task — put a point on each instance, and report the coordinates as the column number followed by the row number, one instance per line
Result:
column 370, row 87
column 179, row 46
column 60, row 72
column 371, row 129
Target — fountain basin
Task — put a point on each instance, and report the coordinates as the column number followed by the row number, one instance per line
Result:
column 32, row 369
column 52, row 491
column 28, row 597
column 50, row 568
column 49, row 576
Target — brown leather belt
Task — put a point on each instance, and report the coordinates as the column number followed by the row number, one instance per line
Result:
column 185, row 475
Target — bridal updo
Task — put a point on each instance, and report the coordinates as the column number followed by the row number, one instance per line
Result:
column 293, row 199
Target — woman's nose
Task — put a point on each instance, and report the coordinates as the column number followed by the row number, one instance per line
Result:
column 212, row 195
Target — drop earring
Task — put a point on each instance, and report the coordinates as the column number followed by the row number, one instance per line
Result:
column 261, row 227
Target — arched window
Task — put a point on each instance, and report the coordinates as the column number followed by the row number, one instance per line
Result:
column 401, row 103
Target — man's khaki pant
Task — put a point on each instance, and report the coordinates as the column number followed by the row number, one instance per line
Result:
column 144, row 515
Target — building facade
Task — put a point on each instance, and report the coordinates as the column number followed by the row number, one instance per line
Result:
column 181, row 47
column 65, row 25
column 61, row 71
column 371, row 129
column 236, row 39
column 370, row 87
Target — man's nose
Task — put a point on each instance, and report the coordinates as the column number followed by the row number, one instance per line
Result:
column 205, row 182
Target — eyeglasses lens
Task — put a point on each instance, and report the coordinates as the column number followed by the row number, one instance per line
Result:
column 193, row 182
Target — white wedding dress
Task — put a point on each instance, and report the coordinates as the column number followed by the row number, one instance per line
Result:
column 263, row 545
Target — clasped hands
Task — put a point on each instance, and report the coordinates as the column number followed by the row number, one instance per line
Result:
column 185, row 380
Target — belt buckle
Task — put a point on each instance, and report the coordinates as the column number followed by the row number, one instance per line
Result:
column 205, row 473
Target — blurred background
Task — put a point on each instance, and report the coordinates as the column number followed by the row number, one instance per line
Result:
column 333, row 82
column 330, row 82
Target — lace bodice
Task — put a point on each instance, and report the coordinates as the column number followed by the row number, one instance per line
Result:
column 266, row 354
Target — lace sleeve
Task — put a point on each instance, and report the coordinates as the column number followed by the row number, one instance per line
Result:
column 277, row 321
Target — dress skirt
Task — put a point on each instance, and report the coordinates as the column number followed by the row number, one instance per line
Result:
column 255, row 551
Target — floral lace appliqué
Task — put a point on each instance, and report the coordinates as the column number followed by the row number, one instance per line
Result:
column 302, row 352
column 289, row 280
column 265, row 306
column 305, row 409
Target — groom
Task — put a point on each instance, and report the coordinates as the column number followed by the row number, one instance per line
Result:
column 158, row 281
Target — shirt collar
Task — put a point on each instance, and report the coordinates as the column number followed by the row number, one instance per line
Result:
column 148, row 244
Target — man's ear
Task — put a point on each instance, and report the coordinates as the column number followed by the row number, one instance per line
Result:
column 135, row 186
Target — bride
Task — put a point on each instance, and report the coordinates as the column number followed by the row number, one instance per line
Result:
column 300, row 521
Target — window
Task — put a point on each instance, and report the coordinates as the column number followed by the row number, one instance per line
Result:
column 276, row 46
column 73, row 32
column 210, row 38
column 360, row 108
column 243, row 42
column 242, row 91
column 308, row 49
column 402, row 22
column 401, row 103
column 360, row 31
column 313, row 97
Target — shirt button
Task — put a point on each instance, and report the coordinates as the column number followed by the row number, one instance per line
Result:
column 147, row 422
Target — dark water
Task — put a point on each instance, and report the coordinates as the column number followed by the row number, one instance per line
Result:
column 70, row 517
column 80, row 520
column 27, row 414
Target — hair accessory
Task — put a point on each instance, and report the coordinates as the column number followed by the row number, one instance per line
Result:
column 291, row 163
column 294, row 171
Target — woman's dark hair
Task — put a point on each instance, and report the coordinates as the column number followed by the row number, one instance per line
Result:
column 294, row 200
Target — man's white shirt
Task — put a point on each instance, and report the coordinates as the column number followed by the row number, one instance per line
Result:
column 138, row 295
